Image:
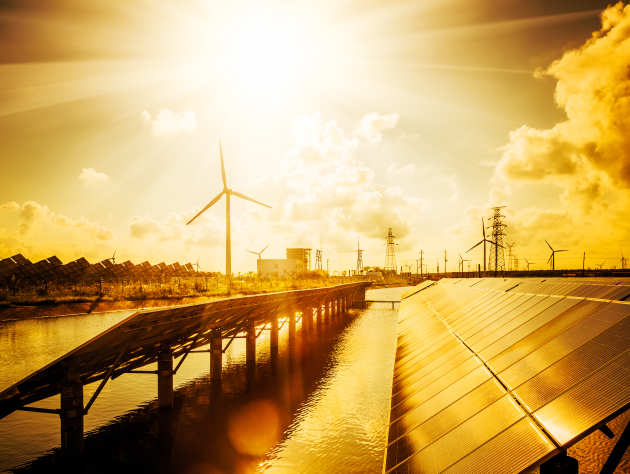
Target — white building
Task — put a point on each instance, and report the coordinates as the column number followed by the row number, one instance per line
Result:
column 278, row 267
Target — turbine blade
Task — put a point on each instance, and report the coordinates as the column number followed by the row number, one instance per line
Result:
column 222, row 166
column 211, row 203
column 242, row 196
column 251, row 251
column 549, row 246
column 483, row 228
column 549, row 259
column 264, row 249
column 562, row 250
column 476, row 245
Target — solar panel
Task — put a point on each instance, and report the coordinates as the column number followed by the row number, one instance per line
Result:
column 497, row 375
column 135, row 341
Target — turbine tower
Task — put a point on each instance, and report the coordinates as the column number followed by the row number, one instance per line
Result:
column 228, row 238
column 552, row 257
column 482, row 241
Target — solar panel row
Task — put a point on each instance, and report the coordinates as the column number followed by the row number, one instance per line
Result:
column 496, row 375
column 137, row 340
column 19, row 270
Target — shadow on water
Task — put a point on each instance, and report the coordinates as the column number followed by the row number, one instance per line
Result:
column 210, row 429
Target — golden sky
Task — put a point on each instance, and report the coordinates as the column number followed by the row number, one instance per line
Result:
column 346, row 117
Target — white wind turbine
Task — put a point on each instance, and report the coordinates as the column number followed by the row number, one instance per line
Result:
column 228, row 239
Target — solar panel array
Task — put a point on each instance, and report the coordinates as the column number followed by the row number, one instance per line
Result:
column 495, row 375
column 18, row 270
column 135, row 341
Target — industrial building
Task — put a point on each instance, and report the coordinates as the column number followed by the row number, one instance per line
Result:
column 298, row 261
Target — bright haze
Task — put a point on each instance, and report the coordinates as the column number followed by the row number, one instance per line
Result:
column 346, row 117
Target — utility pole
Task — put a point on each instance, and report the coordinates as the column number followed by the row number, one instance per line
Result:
column 509, row 245
column 390, row 253
column 421, row 253
column 498, row 233
column 359, row 258
column 445, row 260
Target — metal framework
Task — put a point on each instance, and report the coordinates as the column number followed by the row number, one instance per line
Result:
column 498, row 232
column 162, row 335
column 390, row 252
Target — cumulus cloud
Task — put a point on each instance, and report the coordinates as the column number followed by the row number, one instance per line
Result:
column 330, row 191
column 592, row 146
column 90, row 177
column 32, row 213
column 168, row 122
column 36, row 230
column 373, row 125
column 173, row 228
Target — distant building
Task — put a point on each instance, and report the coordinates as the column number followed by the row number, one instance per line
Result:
column 297, row 261
column 278, row 267
column 303, row 256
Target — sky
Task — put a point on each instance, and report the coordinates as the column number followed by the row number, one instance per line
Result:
column 346, row 117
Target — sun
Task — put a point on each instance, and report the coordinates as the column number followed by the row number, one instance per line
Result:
column 264, row 54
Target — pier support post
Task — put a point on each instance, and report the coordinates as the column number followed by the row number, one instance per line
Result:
column 71, row 414
column 273, row 339
column 319, row 315
column 216, row 356
column 327, row 309
column 165, row 377
column 250, row 350
column 292, row 331
column 307, row 319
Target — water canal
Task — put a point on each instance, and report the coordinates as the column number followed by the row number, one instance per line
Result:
column 323, row 405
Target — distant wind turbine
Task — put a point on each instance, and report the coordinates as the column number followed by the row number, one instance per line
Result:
column 482, row 241
column 552, row 257
column 259, row 253
column 528, row 264
column 228, row 239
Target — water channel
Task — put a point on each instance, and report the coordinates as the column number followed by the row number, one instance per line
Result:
column 322, row 407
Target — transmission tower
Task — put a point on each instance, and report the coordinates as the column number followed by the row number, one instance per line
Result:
column 390, row 253
column 497, row 259
column 318, row 259
column 359, row 258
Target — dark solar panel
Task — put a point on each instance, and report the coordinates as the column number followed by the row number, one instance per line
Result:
column 135, row 341
column 494, row 375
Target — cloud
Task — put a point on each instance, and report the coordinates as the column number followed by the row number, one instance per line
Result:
column 373, row 125
column 168, row 122
column 34, row 228
column 90, row 177
column 330, row 191
column 32, row 213
column 592, row 146
column 174, row 229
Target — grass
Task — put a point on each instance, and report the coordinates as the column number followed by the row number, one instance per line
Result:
column 174, row 289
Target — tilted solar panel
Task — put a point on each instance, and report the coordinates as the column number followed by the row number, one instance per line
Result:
column 499, row 375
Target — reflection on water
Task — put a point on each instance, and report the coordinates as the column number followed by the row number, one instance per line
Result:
column 329, row 395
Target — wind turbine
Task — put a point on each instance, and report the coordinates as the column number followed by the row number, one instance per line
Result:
column 552, row 257
column 461, row 262
column 482, row 241
column 259, row 253
column 528, row 264
column 228, row 239
column 113, row 259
